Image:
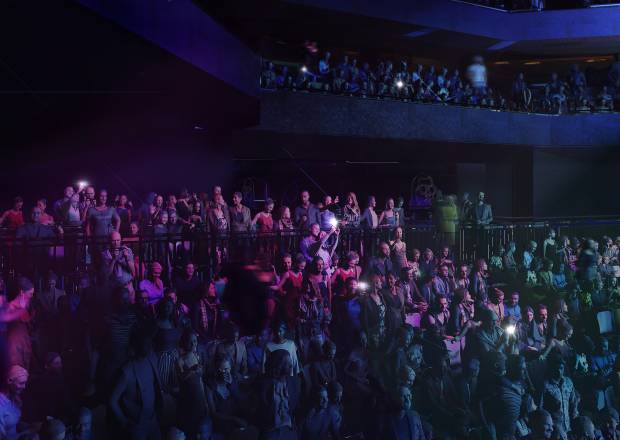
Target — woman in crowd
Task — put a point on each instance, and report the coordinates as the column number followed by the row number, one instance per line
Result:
column 341, row 274
column 14, row 217
column 398, row 250
column 374, row 312
column 263, row 221
column 388, row 216
column 102, row 219
column 319, row 282
column 166, row 341
column 193, row 407
column 351, row 212
column 290, row 289
column 123, row 209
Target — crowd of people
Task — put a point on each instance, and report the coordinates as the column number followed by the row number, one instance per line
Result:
column 540, row 5
column 427, row 84
column 404, row 344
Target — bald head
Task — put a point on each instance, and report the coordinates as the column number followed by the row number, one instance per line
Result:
column 115, row 240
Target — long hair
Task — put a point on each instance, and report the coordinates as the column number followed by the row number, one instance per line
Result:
column 353, row 197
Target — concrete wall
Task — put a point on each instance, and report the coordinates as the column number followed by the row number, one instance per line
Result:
column 345, row 116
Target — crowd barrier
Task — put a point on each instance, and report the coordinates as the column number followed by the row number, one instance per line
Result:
column 74, row 252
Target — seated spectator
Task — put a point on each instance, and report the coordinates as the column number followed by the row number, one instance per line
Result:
column 603, row 360
column 512, row 308
column 323, row 371
column 320, row 422
column 153, row 285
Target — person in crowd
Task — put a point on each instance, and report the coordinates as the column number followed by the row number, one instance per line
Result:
column 398, row 250
column 69, row 212
column 57, row 206
column 46, row 307
column 240, row 216
column 479, row 284
column 101, row 220
column 462, row 277
column 395, row 300
column 381, row 265
column 279, row 396
column 204, row 312
column 351, row 212
column 14, row 217
column 559, row 396
column 414, row 301
column 306, row 214
column 369, row 219
column 136, row 393
column 153, row 284
column 263, row 221
column 123, row 209
column 226, row 403
column 280, row 342
column 117, row 263
column 188, row 284
column 461, row 316
column 443, row 282
column 285, row 222
column 11, row 400
column 497, row 304
column 36, row 258
column 374, row 313
column 483, row 211
column 342, row 274
column 46, row 219
column 388, row 217
column 512, row 307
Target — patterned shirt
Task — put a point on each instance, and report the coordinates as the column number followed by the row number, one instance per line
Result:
column 560, row 399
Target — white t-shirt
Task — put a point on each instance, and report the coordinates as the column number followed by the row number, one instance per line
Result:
column 477, row 75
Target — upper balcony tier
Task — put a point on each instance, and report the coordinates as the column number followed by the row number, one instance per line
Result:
column 308, row 113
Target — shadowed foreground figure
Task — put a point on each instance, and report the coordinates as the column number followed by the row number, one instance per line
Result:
column 137, row 393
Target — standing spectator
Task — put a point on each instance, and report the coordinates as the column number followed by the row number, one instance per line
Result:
column 240, row 216
column 46, row 219
column 188, row 284
column 137, row 392
column 306, row 214
column 11, row 402
column 14, row 217
column 102, row 219
column 477, row 75
column 263, row 220
column 558, row 396
column 88, row 201
column 58, row 204
column 369, row 218
column 484, row 214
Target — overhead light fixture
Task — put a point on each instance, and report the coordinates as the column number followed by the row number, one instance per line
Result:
column 501, row 62
column 532, row 63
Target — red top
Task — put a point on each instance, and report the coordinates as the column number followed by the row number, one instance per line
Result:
column 14, row 219
column 264, row 222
